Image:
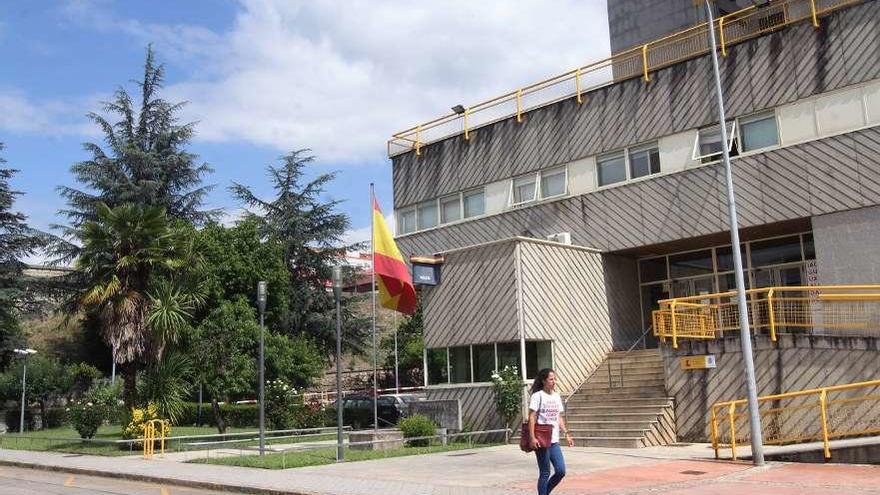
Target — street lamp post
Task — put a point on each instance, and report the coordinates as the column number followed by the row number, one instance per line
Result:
column 337, row 292
column 25, row 353
column 757, row 442
column 261, row 303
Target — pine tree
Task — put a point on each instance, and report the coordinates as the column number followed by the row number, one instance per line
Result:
column 310, row 232
column 145, row 161
column 17, row 240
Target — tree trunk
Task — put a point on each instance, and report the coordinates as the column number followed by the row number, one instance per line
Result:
column 43, row 424
column 218, row 416
column 129, row 392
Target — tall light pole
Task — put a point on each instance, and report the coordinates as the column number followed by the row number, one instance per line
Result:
column 25, row 353
column 337, row 293
column 745, row 334
column 261, row 303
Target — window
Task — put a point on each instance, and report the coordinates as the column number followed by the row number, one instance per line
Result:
column 450, row 209
column 538, row 357
column 691, row 264
column 473, row 203
column 724, row 257
column 707, row 147
column 643, row 161
column 508, row 355
column 523, row 189
column 438, row 372
column 484, row 362
column 759, row 131
column 653, row 269
column 407, row 221
column 427, row 215
column 460, row 364
column 611, row 168
column 776, row 251
column 553, row 182
column 809, row 247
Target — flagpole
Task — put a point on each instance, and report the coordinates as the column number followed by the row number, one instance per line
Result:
column 396, row 365
column 374, row 288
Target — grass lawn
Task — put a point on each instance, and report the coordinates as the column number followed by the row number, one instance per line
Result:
column 66, row 439
column 321, row 456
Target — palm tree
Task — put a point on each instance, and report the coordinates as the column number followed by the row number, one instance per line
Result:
column 132, row 260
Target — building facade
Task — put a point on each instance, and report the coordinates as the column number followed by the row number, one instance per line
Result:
column 631, row 170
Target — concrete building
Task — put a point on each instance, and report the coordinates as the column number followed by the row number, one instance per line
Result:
column 563, row 222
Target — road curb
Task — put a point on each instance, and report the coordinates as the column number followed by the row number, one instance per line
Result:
column 205, row 485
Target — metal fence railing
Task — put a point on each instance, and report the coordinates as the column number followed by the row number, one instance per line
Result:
column 636, row 62
column 821, row 414
column 835, row 309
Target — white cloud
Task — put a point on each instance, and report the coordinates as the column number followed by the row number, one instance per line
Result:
column 364, row 234
column 52, row 117
column 340, row 78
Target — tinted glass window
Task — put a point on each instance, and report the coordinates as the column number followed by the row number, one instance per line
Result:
column 690, row 264
column 612, row 169
column 652, row 269
column 776, row 251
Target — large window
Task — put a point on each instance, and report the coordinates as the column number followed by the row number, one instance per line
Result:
column 643, row 161
column 450, row 209
column 438, row 368
column 523, row 189
column 553, row 182
column 759, row 131
column 776, row 251
column 691, row 264
column 611, row 169
column 407, row 221
column 467, row 364
column 460, row 364
column 426, row 215
column 473, row 203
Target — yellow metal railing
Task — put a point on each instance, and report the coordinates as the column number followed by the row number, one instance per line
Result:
column 155, row 430
column 821, row 414
column 833, row 309
column 639, row 61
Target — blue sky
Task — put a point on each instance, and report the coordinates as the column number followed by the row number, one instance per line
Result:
column 267, row 76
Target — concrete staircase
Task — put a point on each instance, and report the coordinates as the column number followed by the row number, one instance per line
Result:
column 623, row 404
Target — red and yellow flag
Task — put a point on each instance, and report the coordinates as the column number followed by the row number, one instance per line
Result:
column 396, row 289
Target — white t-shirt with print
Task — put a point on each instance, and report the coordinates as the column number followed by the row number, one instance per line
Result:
column 548, row 407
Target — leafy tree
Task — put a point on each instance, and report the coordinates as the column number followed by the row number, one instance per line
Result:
column 167, row 385
column 295, row 360
column 17, row 240
column 236, row 258
column 223, row 347
column 145, row 161
column 309, row 232
column 134, row 264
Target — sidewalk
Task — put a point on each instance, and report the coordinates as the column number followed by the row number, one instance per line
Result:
column 489, row 471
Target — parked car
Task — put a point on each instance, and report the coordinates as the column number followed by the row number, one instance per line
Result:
column 357, row 411
column 402, row 401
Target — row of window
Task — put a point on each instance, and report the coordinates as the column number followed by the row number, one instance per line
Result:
column 444, row 210
column 476, row 363
column 744, row 134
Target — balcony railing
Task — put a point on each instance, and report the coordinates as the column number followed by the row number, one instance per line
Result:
column 834, row 310
column 636, row 62
column 821, row 414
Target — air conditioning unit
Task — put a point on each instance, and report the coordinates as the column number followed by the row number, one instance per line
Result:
column 562, row 238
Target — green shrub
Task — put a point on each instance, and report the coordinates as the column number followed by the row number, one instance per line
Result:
column 282, row 406
column 236, row 415
column 417, row 426
column 55, row 417
column 508, row 388
column 86, row 417
column 13, row 417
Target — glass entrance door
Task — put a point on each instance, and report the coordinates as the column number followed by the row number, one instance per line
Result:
column 778, row 276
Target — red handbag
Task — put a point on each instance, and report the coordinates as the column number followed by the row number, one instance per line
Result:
column 543, row 433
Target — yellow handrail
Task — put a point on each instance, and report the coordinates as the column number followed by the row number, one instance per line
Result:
column 150, row 436
column 639, row 61
column 847, row 416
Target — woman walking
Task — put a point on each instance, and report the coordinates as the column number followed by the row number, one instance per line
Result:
column 545, row 408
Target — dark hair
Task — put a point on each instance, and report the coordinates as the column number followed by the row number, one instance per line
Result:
column 538, row 384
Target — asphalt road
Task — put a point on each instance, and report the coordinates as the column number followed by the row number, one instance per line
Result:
column 33, row 481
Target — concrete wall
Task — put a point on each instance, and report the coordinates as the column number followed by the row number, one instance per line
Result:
column 624, row 309
column 794, row 362
column 847, row 246
column 635, row 22
column 477, row 405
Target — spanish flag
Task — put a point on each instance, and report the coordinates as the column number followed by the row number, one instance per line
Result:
column 396, row 289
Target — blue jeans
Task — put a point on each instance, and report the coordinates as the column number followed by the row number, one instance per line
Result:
column 546, row 457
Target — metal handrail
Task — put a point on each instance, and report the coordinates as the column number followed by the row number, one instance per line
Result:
column 638, row 61
column 849, row 429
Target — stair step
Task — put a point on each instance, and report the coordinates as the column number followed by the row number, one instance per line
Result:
column 630, row 409
column 610, row 425
column 612, row 416
column 627, row 381
column 636, row 352
column 622, row 403
column 598, row 432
